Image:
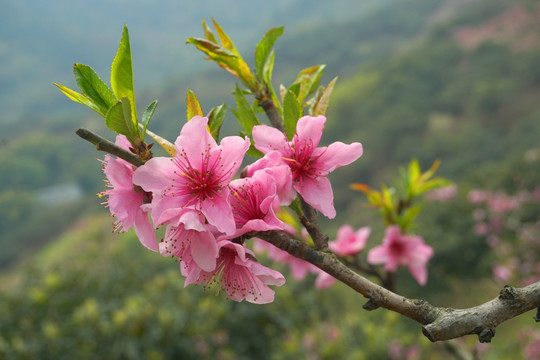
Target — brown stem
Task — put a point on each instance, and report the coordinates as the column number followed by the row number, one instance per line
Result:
column 109, row 147
column 310, row 222
column 265, row 101
column 439, row 323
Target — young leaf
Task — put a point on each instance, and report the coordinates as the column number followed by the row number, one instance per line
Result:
column 244, row 112
column 147, row 116
column 193, row 107
column 122, row 74
column 164, row 143
column 119, row 119
column 264, row 48
column 80, row 98
column 216, row 116
column 292, row 111
column 309, row 80
column 208, row 34
column 93, row 87
column 226, row 42
column 322, row 103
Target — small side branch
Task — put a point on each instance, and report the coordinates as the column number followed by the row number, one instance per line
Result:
column 109, row 147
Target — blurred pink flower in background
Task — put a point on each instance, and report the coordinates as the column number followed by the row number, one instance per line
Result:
column 444, row 193
column 348, row 241
column 401, row 249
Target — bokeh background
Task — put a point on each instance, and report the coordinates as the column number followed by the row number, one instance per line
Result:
column 456, row 80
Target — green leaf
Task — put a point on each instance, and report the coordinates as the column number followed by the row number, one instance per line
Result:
column 208, row 34
column 147, row 116
column 216, row 116
column 295, row 88
column 309, row 80
column 225, row 54
column 193, row 107
column 93, row 87
column 244, row 112
column 263, row 50
column 292, row 111
column 324, row 101
column 122, row 74
column 80, row 98
column 119, row 119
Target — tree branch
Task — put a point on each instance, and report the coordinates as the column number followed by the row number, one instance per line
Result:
column 439, row 323
column 109, row 147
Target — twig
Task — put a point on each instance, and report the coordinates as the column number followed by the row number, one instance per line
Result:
column 109, row 147
column 310, row 222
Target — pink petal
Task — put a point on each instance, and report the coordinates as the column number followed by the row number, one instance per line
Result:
column 318, row 193
column 155, row 175
column 195, row 140
column 336, row 155
column 218, row 212
column 144, row 231
column 419, row 273
column 378, row 255
column 309, row 128
column 268, row 139
column 118, row 172
column 204, row 250
column 233, row 150
column 324, row 280
column 267, row 275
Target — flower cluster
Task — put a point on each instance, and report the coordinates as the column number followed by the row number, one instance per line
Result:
column 207, row 213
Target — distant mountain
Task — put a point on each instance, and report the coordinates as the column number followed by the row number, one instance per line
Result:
column 40, row 41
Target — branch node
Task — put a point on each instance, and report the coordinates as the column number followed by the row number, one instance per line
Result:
column 508, row 293
column 370, row 305
column 486, row 334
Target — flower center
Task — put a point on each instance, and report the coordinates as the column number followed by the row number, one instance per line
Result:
column 202, row 182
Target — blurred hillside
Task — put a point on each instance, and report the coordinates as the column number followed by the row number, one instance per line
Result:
column 456, row 80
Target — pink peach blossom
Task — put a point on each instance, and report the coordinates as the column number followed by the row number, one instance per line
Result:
column 187, row 237
column 272, row 164
column 237, row 273
column 400, row 249
column 125, row 201
column 349, row 242
column 197, row 177
column 309, row 164
column 253, row 201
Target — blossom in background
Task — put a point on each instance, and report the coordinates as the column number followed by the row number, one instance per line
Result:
column 444, row 193
column 197, row 177
column 349, row 242
column 309, row 164
column 401, row 249
column 124, row 200
column 236, row 272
